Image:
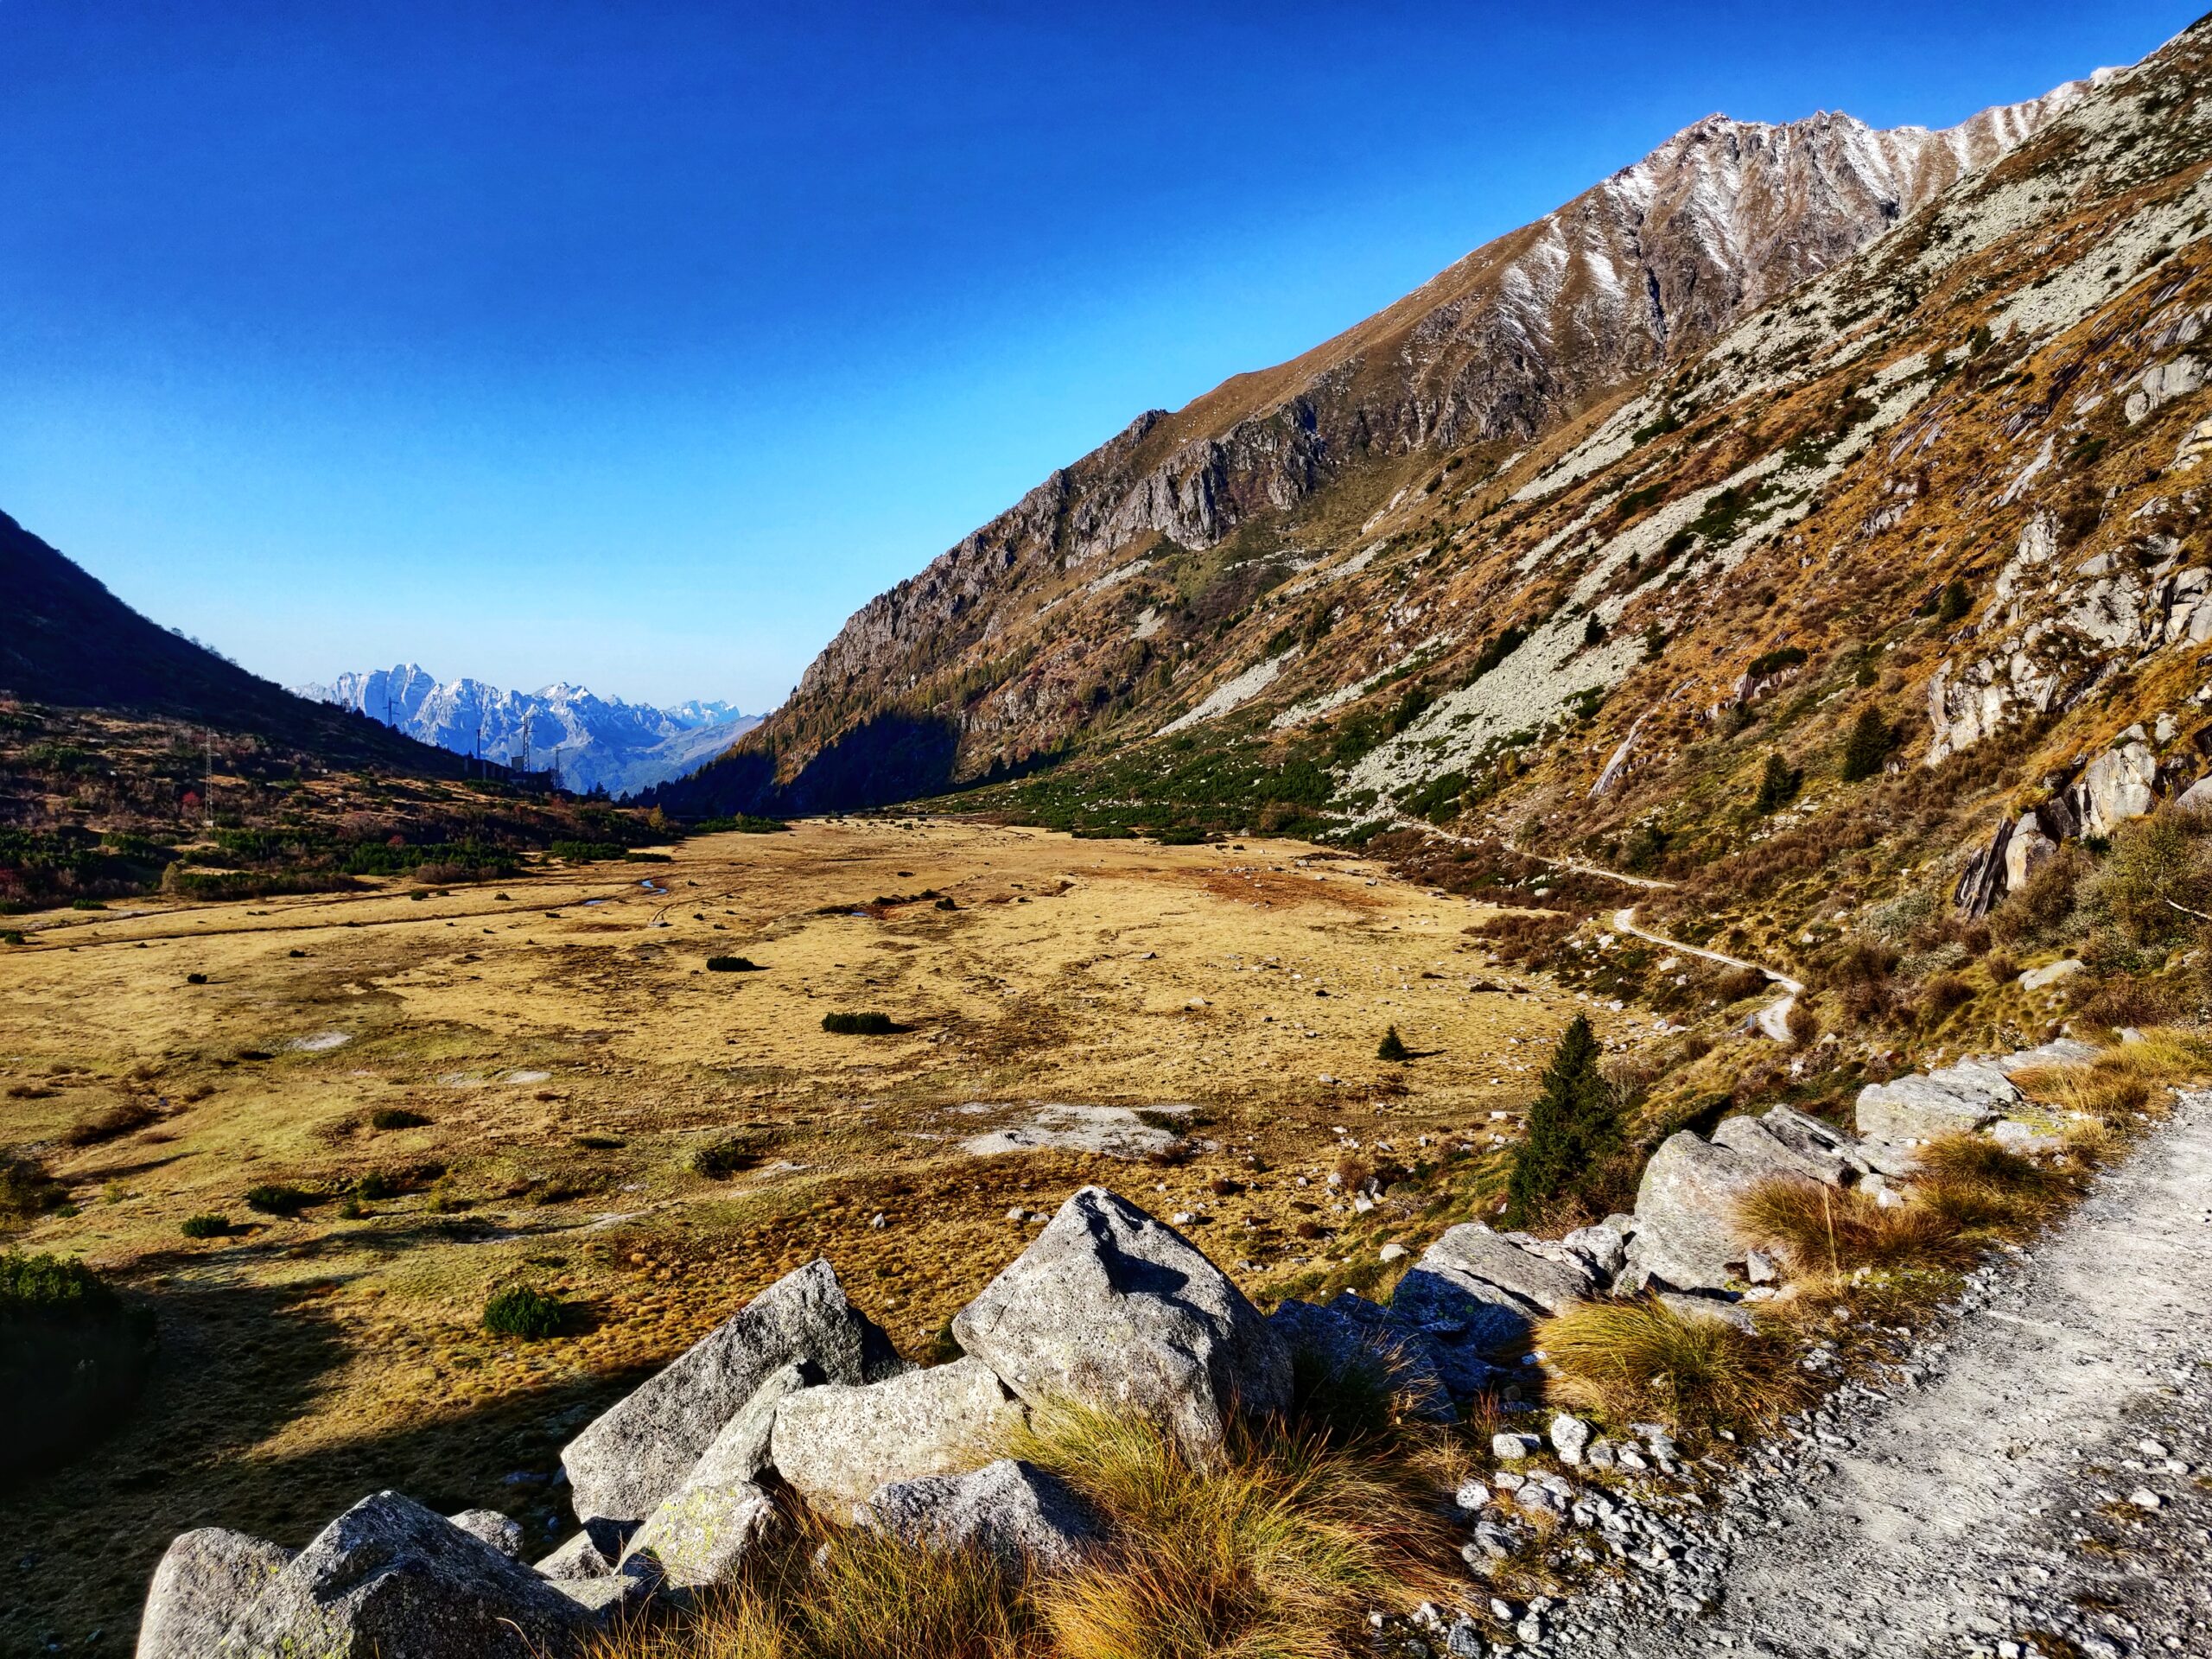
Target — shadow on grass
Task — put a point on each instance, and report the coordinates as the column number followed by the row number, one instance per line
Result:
column 206, row 1446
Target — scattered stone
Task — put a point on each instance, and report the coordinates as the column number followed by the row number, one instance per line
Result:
column 1471, row 1496
column 498, row 1530
column 1570, row 1437
column 1108, row 1307
column 1018, row 1513
column 838, row 1444
column 579, row 1558
column 2144, row 1498
column 635, row 1455
column 1511, row 1448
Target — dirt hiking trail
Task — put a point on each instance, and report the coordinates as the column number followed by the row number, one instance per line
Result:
column 2042, row 1490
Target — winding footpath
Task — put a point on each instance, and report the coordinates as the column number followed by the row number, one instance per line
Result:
column 2043, row 1477
column 1773, row 1019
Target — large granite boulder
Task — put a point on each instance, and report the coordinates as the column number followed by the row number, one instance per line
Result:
column 836, row 1445
column 1108, row 1308
column 1687, row 1232
column 1474, row 1292
column 1403, row 1359
column 204, row 1582
column 502, row 1532
column 635, row 1454
column 702, row 1528
column 1022, row 1514
column 1750, row 1138
column 390, row 1580
column 1956, row 1100
column 1472, row 1253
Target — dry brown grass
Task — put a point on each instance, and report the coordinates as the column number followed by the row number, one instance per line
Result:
column 1824, row 1230
column 825, row 1592
column 1277, row 1551
column 1632, row 1360
column 1276, row 1554
column 2124, row 1080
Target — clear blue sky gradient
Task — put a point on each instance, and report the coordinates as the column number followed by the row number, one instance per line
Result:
column 638, row 344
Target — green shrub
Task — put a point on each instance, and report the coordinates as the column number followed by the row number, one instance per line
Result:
column 730, row 1155
column 375, row 1187
column 522, row 1310
column 1868, row 746
column 26, row 1190
column 395, row 1118
column 196, row 979
column 1574, row 1128
column 868, row 1024
column 1956, row 601
column 1778, row 786
column 732, row 965
column 204, row 1226
column 272, row 1200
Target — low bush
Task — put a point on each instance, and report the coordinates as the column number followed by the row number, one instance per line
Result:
column 26, row 1190
column 273, row 1200
column 730, row 1154
column 395, row 1118
column 868, row 1024
column 1640, row 1360
column 375, row 1187
column 732, row 965
column 523, row 1311
column 204, row 1226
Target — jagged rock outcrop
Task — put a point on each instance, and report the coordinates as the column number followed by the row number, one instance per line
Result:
column 836, row 1445
column 1108, row 1308
column 1640, row 272
column 629, row 1459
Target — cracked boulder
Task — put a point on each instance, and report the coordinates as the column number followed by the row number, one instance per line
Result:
column 836, row 1445
column 1687, row 1234
column 1019, row 1514
column 635, row 1454
column 1108, row 1308
column 205, row 1580
column 1956, row 1100
column 390, row 1580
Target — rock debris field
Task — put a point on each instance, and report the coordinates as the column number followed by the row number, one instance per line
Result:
column 2023, row 1479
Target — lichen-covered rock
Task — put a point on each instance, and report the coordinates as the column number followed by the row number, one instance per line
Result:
column 1019, row 1514
column 1402, row 1356
column 502, row 1532
column 702, row 1531
column 836, row 1445
column 580, row 1557
column 1748, row 1137
column 390, row 1580
column 1687, row 1232
column 1109, row 1307
column 635, row 1454
column 205, row 1581
column 1956, row 1100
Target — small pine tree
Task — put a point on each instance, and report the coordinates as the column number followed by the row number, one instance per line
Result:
column 1594, row 631
column 1777, row 785
column 1393, row 1047
column 1951, row 609
column 1867, row 747
column 1572, row 1128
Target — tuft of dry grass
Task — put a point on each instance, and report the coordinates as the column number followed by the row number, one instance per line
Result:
column 1983, row 1190
column 1632, row 1360
column 1275, row 1553
column 831, row 1592
column 2123, row 1081
column 1824, row 1230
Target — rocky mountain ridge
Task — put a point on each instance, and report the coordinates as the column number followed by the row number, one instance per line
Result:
column 1638, row 273
column 595, row 743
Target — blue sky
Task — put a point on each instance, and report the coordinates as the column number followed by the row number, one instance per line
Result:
column 638, row 344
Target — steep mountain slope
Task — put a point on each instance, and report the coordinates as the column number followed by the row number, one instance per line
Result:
column 65, row 640
column 1635, row 273
column 595, row 742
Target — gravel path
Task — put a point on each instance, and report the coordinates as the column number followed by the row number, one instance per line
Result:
column 1773, row 1019
column 2042, row 1490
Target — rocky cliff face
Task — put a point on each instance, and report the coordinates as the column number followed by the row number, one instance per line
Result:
column 1640, row 272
